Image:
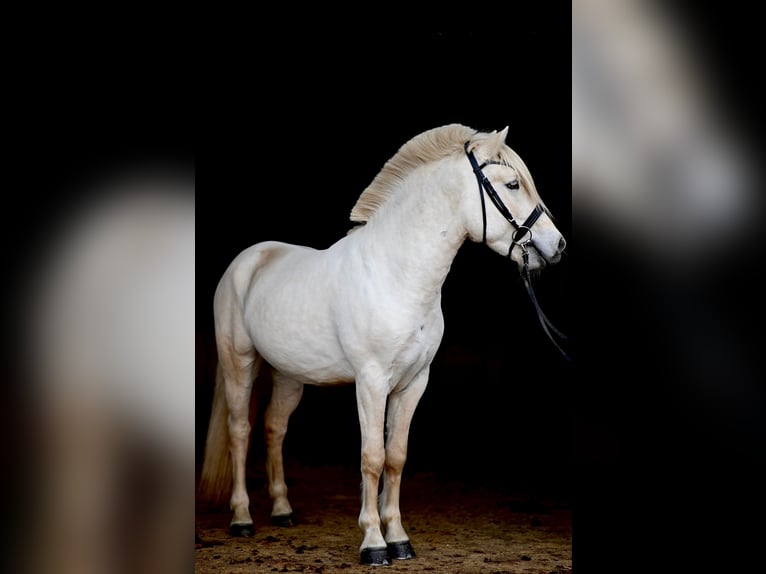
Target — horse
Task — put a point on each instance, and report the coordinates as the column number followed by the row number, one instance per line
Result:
column 366, row 310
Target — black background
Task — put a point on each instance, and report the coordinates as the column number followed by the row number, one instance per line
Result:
column 286, row 126
column 291, row 166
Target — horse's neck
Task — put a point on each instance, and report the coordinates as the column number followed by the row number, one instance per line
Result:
column 416, row 235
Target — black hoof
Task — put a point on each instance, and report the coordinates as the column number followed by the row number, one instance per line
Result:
column 242, row 530
column 374, row 557
column 285, row 520
column 400, row 550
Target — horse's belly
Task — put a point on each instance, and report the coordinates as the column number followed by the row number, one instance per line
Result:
column 299, row 340
column 307, row 363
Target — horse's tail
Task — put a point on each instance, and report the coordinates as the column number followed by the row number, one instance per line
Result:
column 216, row 477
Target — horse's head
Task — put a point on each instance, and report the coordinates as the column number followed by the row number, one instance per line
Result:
column 503, row 207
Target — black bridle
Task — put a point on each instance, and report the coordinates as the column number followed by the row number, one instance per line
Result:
column 522, row 236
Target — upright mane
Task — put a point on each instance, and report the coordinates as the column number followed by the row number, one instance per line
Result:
column 429, row 146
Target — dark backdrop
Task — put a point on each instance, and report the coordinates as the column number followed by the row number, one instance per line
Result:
column 293, row 143
column 289, row 125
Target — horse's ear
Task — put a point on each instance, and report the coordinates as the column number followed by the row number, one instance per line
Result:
column 492, row 144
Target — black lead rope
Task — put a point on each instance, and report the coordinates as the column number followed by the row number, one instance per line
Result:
column 525, row 229
column 544, row 321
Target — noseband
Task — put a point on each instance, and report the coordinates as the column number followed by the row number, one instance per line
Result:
column 522, row 236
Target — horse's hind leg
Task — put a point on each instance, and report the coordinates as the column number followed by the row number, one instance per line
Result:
column 285, row 396
column 239, row 369
column 401, row 407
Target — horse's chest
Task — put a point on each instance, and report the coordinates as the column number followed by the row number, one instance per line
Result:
column 415, row 349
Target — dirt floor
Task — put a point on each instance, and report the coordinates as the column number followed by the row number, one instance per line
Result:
column 455, row 527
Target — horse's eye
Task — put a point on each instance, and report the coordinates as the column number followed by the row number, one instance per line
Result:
column 512, row 185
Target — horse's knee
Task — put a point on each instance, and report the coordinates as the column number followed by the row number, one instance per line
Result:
column 373, row 461
column 395, row 460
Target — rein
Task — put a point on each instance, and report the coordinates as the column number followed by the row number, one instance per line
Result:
column 518, row 238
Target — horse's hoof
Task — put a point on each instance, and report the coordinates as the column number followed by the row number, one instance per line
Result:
column 284, row 520
column 374, row 557
column 400, row 550
column 242, row 529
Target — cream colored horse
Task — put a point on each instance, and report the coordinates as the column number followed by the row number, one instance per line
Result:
column 365, row 310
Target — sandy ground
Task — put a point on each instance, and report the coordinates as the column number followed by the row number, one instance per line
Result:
column 454, row 526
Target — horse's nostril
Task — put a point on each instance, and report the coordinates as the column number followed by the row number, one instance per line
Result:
column 562, row 244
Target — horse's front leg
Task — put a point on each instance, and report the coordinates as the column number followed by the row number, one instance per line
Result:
column 401, row 408
column 371, row 393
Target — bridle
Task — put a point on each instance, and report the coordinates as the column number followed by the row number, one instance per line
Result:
column 522, row 236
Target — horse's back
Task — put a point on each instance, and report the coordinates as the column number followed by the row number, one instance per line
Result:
column 269, row 268
column 242, row 271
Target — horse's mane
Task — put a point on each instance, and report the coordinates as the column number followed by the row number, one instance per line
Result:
column 429, row 146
